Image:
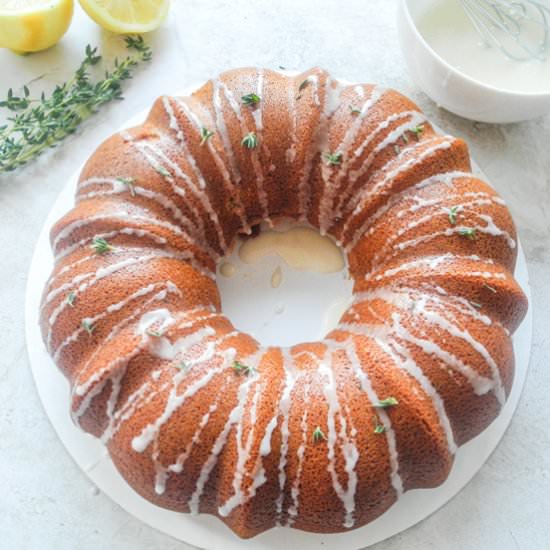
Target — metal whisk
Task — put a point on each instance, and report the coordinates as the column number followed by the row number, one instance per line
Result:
column 520, row 29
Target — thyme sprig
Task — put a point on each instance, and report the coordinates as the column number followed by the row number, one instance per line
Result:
column 206, row 134
column 417, row 130
column 468, row 232
column 71, row 298
column 101, row 246
column 452, row 215
column 385, row 403
column 318, row 435
column 88, row 326
column 38, row 124
column 250, row 141
column 333, row 159
column 251, row 99
column 130, row 183
column 240, row 368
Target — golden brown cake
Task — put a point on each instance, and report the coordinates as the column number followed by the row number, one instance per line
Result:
column 322, row 436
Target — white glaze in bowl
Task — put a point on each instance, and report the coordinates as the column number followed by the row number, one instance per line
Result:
column 454, row 90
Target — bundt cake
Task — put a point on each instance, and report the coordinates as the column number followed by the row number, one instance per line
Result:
column 321, row 436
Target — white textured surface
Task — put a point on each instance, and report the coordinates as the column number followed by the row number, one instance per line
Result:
column 45, row 501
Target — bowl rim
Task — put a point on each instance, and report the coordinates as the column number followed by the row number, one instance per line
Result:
column 469, row 79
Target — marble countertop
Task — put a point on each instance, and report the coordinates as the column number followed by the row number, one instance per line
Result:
column 46, row 502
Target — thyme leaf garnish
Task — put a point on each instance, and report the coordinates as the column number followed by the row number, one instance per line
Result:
column 417, row 131
column 88, row 327
column 468, row 232
column 129, row 182
column 71, row 298
column 240, row 368
column 162, row 171
column 385, row 403
column 101, row 246
column 452, row 215
column 333, row 159
column 251, row 99
column 318, row 435
column 250, row 141
column 206, row 134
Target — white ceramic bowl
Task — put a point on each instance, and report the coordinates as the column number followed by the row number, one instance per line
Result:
column 454, row 90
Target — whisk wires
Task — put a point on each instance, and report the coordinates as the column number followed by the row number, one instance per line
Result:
column 520, row 29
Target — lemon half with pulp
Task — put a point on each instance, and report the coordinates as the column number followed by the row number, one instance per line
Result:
column 33, row 25
column 127, row 16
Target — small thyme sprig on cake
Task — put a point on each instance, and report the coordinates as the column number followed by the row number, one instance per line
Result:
column 88, row 326
column 101, row 246
column 241, row 368
column 452, row 214
column 130, row 183
column 38, row 124
column 318, row 435
column 206, row 134
column 417, row 131
column 379, row 428
column 250, row 141
column 468, row 232
column 386, row 403
column 251, row 99
column 333, row 159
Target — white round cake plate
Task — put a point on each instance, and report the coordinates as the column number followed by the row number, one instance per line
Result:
column 279, row 307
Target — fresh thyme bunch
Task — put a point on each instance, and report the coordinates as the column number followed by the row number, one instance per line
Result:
column 41, row 123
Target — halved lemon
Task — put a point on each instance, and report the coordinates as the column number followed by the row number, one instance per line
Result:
column 127, row 16
column 33, row 25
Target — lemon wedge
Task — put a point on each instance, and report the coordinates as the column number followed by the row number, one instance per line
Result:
column 33, row 25
column 127, row 16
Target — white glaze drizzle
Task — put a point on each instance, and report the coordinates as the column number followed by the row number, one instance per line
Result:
column 347, row 447
column 91, row 279
column 67, row 231
column 406, row 300
column 285, row 403
column 160, row 198
column 253, row 153
column 75, row 335
column 219, row 444
column 292, row 511
column 230, row 187
column 239, row 497
column 203, row 196
column 350, row 350
column 375, row 190
column 151, row 153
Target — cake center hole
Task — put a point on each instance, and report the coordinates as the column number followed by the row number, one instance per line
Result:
column 284, row 285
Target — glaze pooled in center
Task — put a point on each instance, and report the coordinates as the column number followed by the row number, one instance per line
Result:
column 301, row 248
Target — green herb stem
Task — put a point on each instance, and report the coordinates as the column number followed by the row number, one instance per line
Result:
column 38, row 124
